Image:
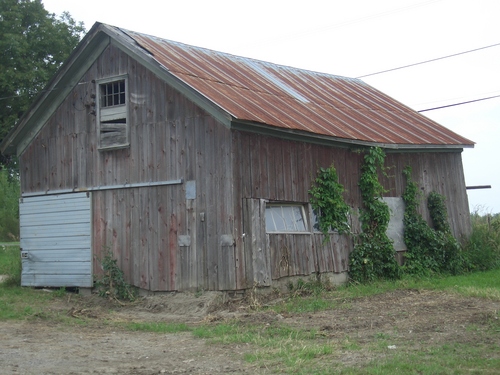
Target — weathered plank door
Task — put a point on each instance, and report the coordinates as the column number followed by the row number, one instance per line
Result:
column 56, row 240
column 257, row 253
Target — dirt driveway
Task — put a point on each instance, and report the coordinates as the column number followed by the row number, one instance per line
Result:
column 407, row 317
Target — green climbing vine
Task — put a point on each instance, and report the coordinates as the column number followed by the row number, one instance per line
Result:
column 438, row 212
column 373, row 256
column 429, row 250
column 328, row 202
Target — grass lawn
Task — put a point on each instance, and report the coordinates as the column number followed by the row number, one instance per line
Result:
column 442, row 325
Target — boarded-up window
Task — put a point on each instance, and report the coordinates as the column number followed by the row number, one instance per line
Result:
column 395, row 229
column 113, row 113
column 285, row 218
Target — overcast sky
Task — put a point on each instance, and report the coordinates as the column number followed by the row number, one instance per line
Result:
column 352, row 38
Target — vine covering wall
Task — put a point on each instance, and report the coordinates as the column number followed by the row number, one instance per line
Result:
column 326, row 197
column 430, row 248
column 373, row 256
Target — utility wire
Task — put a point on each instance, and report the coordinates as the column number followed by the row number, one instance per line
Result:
column 303, row 33
column 428, row 61
column 453, row 105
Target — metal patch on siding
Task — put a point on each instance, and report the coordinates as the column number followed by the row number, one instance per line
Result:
column 184, row 240
column 191, row 189
column 226, row 240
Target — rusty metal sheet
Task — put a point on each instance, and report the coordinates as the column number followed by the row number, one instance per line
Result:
column 296, row 99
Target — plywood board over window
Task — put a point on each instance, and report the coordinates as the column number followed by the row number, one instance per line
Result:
column 395, row 229
column 112, row 109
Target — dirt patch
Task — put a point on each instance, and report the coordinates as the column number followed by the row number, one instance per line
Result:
column 405, row 318
column 38, row 348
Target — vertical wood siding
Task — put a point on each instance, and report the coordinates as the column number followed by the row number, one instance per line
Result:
column 282, row 170
column 146, row 228
column 165, row 240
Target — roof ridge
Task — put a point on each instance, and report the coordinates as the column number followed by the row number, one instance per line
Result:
column 239, row 57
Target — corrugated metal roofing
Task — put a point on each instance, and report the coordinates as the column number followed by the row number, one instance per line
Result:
column 249, row 94
column 296, row 99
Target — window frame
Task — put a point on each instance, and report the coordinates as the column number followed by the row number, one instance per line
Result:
column 112, row 116
column 304, row 217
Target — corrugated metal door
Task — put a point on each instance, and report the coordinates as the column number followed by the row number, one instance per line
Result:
column 55, row 240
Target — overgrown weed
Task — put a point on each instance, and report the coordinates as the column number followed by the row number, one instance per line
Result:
column 483, row 246
column 112, row 282
column 10, row 264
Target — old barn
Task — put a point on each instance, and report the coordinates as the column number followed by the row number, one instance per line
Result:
column 193, row 166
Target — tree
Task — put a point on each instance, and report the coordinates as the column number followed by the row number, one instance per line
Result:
column 33, row 45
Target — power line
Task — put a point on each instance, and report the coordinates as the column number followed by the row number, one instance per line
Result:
column 316, row 30
column 431, row 60
column 456, row 104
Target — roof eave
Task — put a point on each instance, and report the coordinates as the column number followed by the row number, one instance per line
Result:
column 302, row 136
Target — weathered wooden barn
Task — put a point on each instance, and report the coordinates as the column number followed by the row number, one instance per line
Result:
column 193, row 166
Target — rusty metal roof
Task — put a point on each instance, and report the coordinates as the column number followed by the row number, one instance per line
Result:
column 250, row 94
column 297, row 99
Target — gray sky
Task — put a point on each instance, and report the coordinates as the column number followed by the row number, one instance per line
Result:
column 352, row 38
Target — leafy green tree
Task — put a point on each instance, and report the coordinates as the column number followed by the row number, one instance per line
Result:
column 33, row 45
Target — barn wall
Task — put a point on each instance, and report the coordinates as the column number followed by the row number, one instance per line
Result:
column 164, row 237
column 432, row 171
column 286, row 173
column 272, row 169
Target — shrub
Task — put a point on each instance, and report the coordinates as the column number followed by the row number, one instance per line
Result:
column 112, row 284
column 483, row 245
column 10, row 265
column 9, row 207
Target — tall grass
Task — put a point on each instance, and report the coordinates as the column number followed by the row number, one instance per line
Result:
column 17, row 302
column 483, row 247
column 10, row 264
column 9, row 207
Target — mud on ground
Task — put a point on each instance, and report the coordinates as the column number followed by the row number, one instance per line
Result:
column 402, row 318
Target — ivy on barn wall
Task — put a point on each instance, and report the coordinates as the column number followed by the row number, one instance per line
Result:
column 328, row 203
column 429, row 249
column 373, row 256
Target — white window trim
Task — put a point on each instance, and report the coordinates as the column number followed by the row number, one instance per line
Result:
column 112, row 113
column 288, row 204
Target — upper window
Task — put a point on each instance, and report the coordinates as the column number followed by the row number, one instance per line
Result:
column 285, row 218
column 112, row 93
column 113, row 128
